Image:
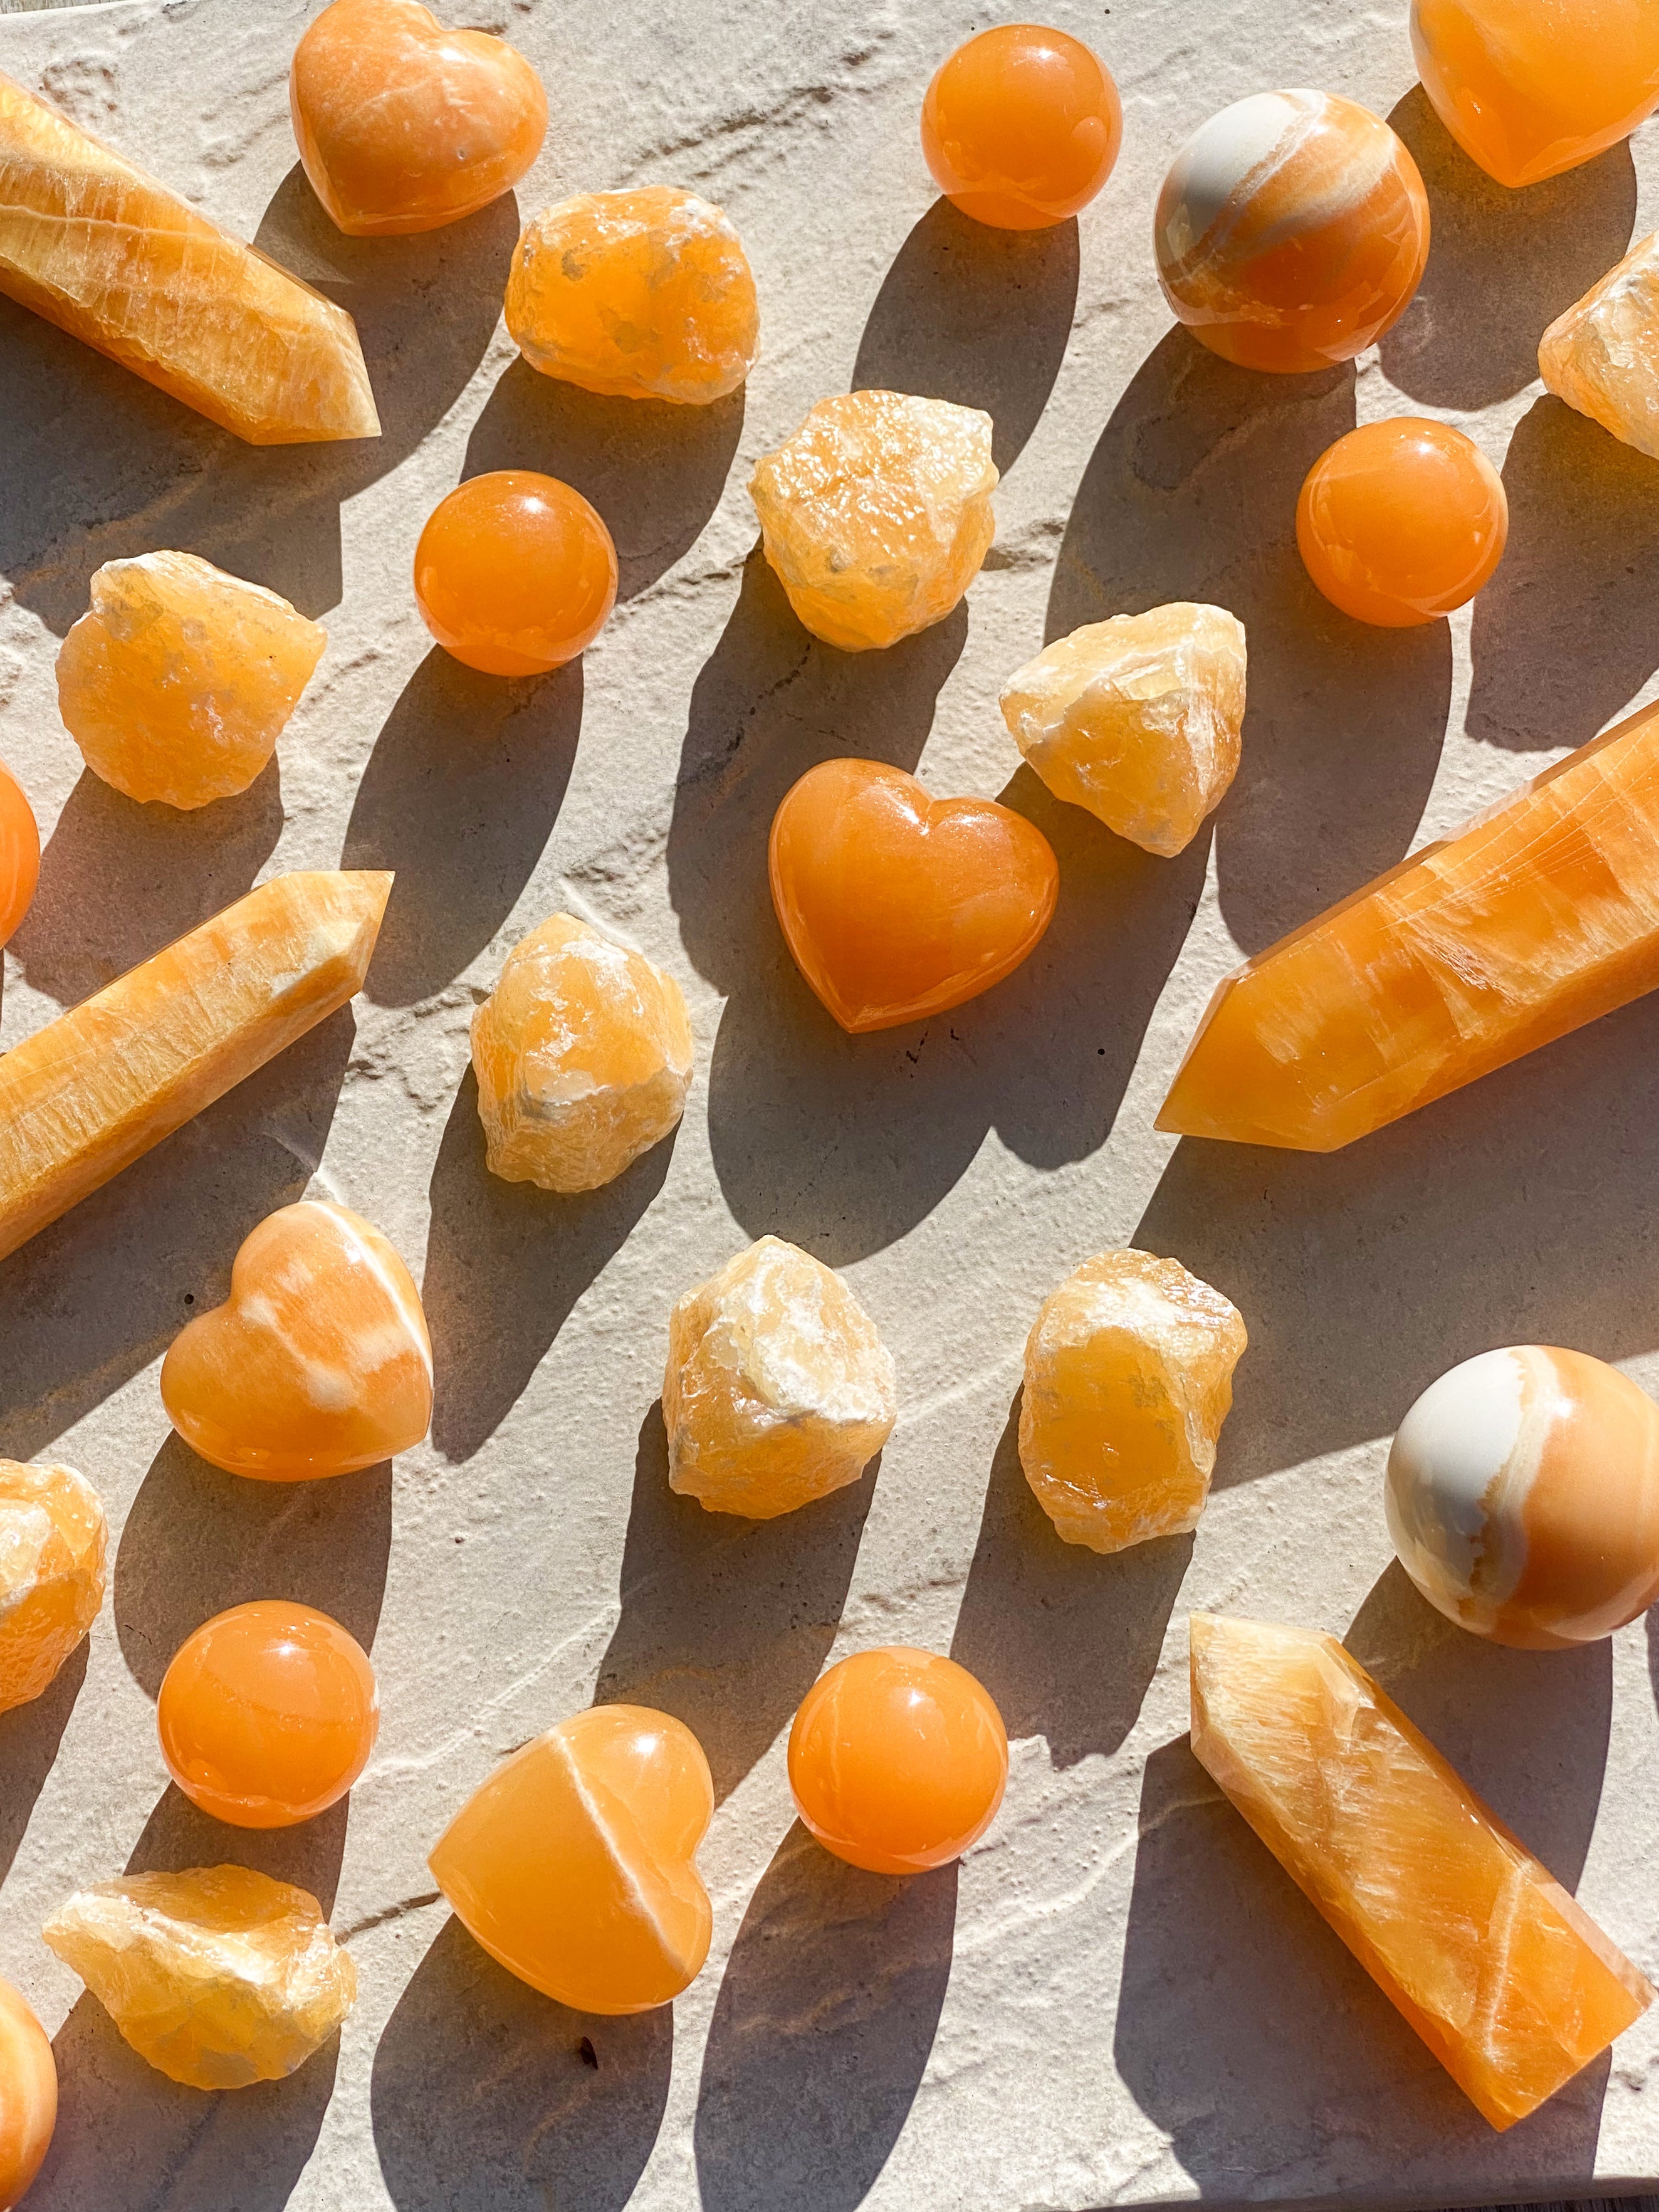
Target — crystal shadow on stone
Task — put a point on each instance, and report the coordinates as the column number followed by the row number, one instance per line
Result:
column 30, row 1737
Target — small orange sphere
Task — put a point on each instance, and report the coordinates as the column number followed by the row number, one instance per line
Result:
column 19, row 853
column 1401, row 521
column 28, row 2096
column 897, row 1761
column 268, row 1714
column 514, row 573
column 1021, row 127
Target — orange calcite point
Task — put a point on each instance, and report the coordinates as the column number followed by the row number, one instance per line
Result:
column 1291, row 231
column 402, row 125
column 896, row 906
column 1021, row 126
column 876, row 513
column 778, row 1389
column 1602, row 355
column 574, row 1865
column 28, row 2097
column 218, row 1975
column 1137, row 719
column 1541, row 915
column 514, row 574
column 118, row 261
column 52, row 1539
column 644, row 295
column 92, row 1091
column 583, row 1056
column 1128, row 1379
column 179, row 683
column 1511, row 1985
column 19, row 853
column 1401, row 521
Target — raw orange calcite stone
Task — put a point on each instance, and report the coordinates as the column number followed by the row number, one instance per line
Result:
column 574, row 1864
column 118, row 261
column 875, row 515
column 402, row 125
column 1602, row 355
column 1401, row 521
column 19, row 853
column 643, row 294
column 177, row 684
column 1021, row 126
column 52, row 1539
column 1538, row 917
column 1511, row 1985
column 28, row 2096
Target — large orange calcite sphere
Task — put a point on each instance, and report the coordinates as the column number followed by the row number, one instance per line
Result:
column 514, row 573
column 897, row 905
column 1291, row 230
column 897, row 1761
column 19, row 853
column 28, row 2096
column 1021, row 126
column 402, row 125
column 268, row 1714
column 1401, row 521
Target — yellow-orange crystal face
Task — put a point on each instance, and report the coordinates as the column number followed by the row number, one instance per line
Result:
column 219, row 1977
column 574, row 1865
column 1137, row 719
column 51, row 1573
column 583, row 1056
column 1602, row 355
column 1511, row 1985
column 1538, row 917
column 778, row 1389
column 179, row 683
column 645, row 294
column 118, row 261
column 876, row 513
column 28, row 2096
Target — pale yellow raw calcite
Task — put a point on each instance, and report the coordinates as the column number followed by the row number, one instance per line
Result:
column 778, row 1389
column 583, row 1057
column 52, row 1541
column 1128, row 1379
column 177, row 684
column 876, row 513
column 1137, row 717
column 1602, row 355
column 219, row 1976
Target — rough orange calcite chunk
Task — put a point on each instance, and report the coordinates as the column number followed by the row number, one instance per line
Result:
column 118, row 261
column 1510, row 1982
column 1538, row 917
column 220, row 1977
column 1401, row 521
column 19, row 853
column 876, row 513
column 583, row 1056
column 574, row 1864
column 778, row 1389
column 1602, row 355
column 1021, row 126
column 177, row 684
column 52, row 1539
column 644, row 295
column 28, row 2096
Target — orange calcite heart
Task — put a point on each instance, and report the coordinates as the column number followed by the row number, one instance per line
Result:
column 28, row 2096
column 896, row 905
column 318, row 1361
column 402, row 125
column 19, row 853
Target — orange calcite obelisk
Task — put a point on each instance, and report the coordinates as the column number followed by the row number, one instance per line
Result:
column 1534, row 920
column 1510, row 1982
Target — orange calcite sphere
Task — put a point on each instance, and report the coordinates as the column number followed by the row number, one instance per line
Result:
column 1021, row 126
column 1293, row 229
column 1401, row 521
column 268, row 1714
column 402, row 125
column 897, row 1761
column 28, row 2096
column 896, row 905
column 19, row 853
column 514, row 574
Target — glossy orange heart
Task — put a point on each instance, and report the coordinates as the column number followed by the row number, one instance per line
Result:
column 897, row 905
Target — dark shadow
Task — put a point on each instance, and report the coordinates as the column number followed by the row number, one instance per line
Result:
column 825, row 2018
column 725, row 1622
column 975, row 315
column 487, row 2097
column 1064, row 1639
column 458, row 797
column 30, row 1737
column 1503, row 265
column 178, row 1835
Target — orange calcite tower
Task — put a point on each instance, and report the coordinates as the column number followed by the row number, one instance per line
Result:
column 1511, row 1985
column 574, row 1864
column 1538, row 917
column 1401, row 521
column 1602, row 355
column 28, row 2096
column 118, row 261
column 19, row 853
column 514, row 573
column 94, row 1091
column 1021, row 126
column 52, row 1539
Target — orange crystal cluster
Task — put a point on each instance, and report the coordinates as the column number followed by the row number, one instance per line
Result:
column 1021, row 126
column 1401, row 521
column 52, row 1541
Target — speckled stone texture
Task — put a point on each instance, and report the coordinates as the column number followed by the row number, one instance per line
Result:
column 1117, row 1998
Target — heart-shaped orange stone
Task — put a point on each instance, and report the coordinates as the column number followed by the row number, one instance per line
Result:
column 403, row 125
column 897, row 905
column 318, row 1362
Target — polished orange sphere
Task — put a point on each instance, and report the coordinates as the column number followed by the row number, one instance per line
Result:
column 268, row 1714
column 514, row 573
column 897, row 1761
column 1401, row 521
column 1021, row 127
column 19, row 853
